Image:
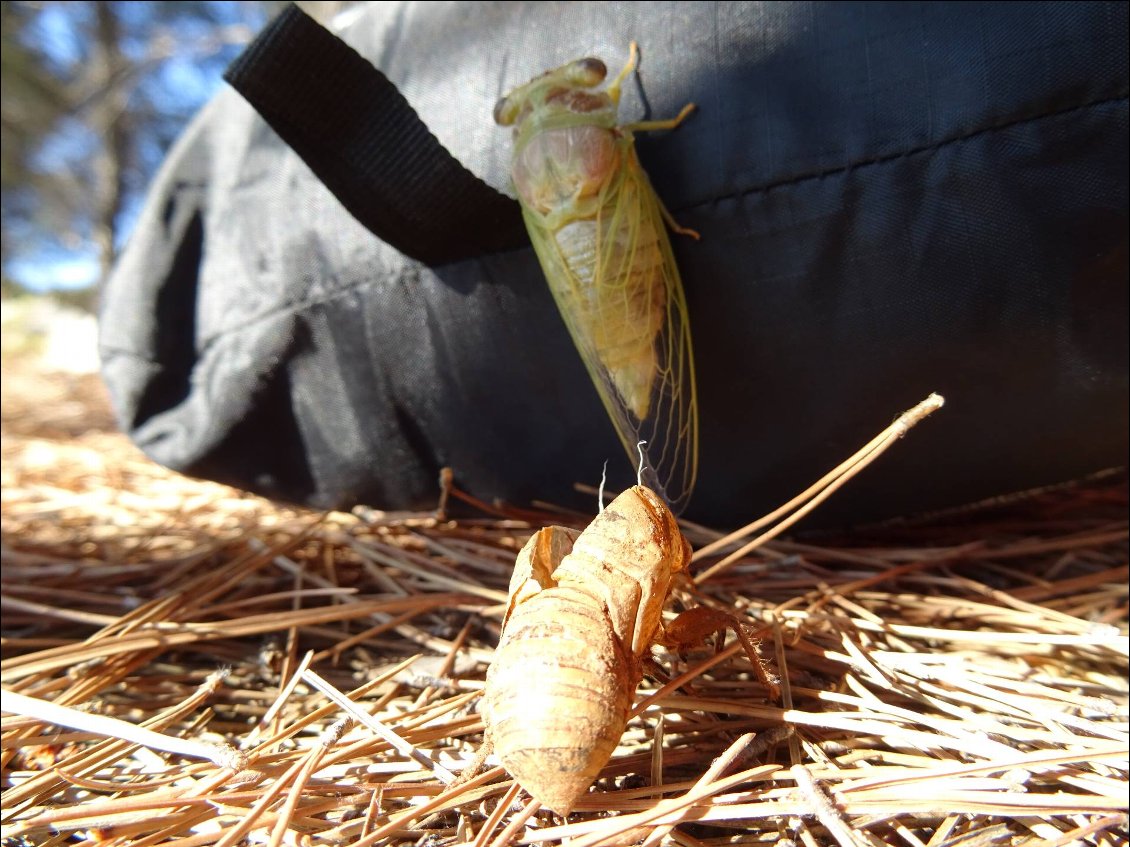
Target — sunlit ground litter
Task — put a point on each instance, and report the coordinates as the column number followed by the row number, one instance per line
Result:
column 957, row 680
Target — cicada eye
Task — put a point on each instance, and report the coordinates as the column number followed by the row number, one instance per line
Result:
column 587, row 72
column 505, row 112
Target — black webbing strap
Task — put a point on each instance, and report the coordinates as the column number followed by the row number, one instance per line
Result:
column 363, row 140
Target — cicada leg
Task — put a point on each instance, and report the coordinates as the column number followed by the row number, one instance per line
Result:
column 613, row 88
column 668, row 218
column 674, row 224
column 694, row 625
column 666, row 123
column 613, row 91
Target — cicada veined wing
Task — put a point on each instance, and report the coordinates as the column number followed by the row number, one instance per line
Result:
column 599, row 232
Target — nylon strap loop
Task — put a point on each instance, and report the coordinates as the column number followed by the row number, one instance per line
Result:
column 363, row 140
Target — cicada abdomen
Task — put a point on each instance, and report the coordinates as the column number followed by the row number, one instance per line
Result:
column 584, row 608
column 598, row 229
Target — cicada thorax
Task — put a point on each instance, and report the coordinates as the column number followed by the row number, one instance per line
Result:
column 627, row 558
column 559, row 171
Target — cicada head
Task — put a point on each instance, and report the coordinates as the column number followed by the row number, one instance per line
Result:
column 561, row 97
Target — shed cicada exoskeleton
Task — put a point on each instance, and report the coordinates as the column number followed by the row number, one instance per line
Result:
column 583, row 613
column 598, row 229
column 585, row 610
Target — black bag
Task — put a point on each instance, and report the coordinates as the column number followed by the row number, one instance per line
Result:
column 894, row 199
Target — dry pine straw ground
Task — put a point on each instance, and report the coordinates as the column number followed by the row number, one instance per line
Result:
column 957, row 681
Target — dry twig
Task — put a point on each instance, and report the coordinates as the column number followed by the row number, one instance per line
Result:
column 957, row 680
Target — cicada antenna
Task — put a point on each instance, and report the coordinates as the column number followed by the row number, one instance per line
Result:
column 639, row 472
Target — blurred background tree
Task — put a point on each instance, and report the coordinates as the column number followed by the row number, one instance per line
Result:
column 93, row 95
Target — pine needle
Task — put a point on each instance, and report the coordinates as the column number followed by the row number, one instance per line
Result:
column 947, row 681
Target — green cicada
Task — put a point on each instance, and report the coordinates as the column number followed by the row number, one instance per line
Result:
column 598, row 229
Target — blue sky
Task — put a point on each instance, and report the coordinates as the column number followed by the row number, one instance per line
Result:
column 183, row 82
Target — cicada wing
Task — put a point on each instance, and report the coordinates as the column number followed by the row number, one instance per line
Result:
column 670, row 426
column 633, row 310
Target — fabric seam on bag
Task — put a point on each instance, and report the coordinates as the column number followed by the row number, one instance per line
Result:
column 926, row 148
